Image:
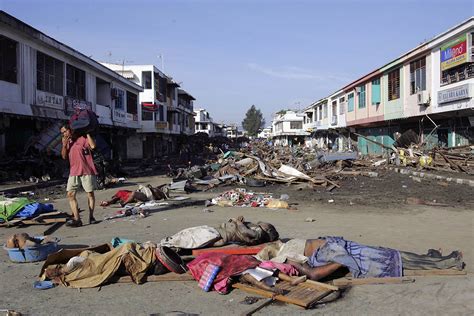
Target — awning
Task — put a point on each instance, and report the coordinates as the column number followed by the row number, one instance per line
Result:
column 150, row 107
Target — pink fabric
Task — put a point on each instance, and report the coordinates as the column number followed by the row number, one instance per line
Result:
column 81, row 164
column 230, row 265
column 287, row 269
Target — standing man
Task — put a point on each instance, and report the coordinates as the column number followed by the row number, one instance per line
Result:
column 82, row 171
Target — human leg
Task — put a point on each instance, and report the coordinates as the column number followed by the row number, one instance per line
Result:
column 89, row 184
column 413, row 261
column 72, row 185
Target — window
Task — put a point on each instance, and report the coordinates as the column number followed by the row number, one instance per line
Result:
column 376, row 91
column 119, row 100
column 146, row 79
column 163, row 90
column 325, row 110
column 132, row 107
column 362, row 97
column 8, row 60
column 75, row 83
column 342, row 105
column 147, row 115
column 459, row 73
column 296, row 125
column 350, row 102
column 161, row 113
column 417, row 75
column 394, row 85
column 49, row 74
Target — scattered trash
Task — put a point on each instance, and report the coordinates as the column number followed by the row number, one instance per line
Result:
column 249, row 300
column 309, row 219
column 330, row 201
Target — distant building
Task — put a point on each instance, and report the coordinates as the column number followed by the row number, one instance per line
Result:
column 232, row 131
column 265, row 133
column 165, row 110
column 203, row 122
column 287, row 128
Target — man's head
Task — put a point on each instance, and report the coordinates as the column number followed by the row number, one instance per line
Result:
column 270, row 230
column 66, row 131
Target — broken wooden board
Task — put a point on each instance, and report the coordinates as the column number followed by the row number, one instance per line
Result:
column 433, row 272
column 304, row 294
column 365, row 281
column 42, row 219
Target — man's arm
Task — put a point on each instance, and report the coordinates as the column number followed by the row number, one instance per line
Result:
column 91, row 141
column 317, row 273
column 65, row 148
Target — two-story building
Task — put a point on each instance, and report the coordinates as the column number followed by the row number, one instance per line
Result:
column 429, row 90
column 287, row 128
column 42, row 81
column 203, row 122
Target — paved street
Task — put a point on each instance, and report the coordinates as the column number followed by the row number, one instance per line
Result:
column 413, row 228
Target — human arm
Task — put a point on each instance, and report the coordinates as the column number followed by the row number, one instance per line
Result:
column 316, row 273
column 65, row 147
column 91, row 141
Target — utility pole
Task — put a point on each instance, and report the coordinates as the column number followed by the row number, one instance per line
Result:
column 162, row 58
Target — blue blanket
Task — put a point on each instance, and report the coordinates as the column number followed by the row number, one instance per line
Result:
column 34, row 209
column 362, row 261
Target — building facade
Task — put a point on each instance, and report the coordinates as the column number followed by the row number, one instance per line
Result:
column 203, row 122
column 287, row 128
column 428, row 90
column 42, row 82
column 165, row 110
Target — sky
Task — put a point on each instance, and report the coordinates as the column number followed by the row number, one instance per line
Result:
column 232, row 54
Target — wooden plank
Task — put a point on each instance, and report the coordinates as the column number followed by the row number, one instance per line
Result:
column 43, row 221
column 300, row 295
column 366, row 281
column 320, row 284
column 433, row 272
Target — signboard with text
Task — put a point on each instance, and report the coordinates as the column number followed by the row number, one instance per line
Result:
column 119, row 116
column 454, row 94
column 454, row 53
column 132, row 117
column 75, row 104
column 49, row 100
column 161, row 125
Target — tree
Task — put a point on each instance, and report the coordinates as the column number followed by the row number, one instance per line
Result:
column 253, row 121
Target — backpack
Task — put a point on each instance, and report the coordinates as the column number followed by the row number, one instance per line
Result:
column 83, row 122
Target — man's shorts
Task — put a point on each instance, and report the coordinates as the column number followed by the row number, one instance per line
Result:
column 88, row 183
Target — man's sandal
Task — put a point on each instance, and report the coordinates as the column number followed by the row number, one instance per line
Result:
column 74, row 223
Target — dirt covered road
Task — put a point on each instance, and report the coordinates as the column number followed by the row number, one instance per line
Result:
column 372, row 211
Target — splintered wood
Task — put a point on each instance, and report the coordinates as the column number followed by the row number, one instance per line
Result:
column 304, row 294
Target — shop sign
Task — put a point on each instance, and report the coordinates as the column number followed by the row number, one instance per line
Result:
column 161, row 125
column 132, row 117
column 454, row 53
column 73, row 105
column 454, row 94
column 119, row 116
column 49, row 100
